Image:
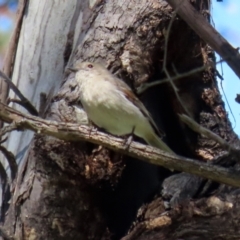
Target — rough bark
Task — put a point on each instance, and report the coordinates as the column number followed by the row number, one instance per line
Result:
column 82, row 191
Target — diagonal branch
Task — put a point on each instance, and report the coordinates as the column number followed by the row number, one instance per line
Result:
column 208, row 33
column 12, row 48
column 209, row 134
column 24, row 101
column 75, row 132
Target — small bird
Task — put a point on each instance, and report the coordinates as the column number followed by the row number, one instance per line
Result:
column 110, row 104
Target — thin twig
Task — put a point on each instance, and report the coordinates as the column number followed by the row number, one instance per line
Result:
column 75, row 132
column 11, row 162
column 4, row 189
column 9, row 155
column 3, row 176
column 178, row 76
column 165, row 51
column 12, row 48
column 165, row 61
column 226, row 100
column 9, row 128
column 25, row 102
column 207, row 133
column 145, row 86
column 199, row 24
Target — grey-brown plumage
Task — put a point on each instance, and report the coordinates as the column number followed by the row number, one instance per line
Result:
column 112, row 105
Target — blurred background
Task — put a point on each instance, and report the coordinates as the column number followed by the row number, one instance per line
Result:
column 225, row 18
column 7, row 17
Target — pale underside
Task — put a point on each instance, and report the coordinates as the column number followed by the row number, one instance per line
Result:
column 111, row 110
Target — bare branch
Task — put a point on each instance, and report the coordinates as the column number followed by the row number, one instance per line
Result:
column 5, row 195
column 207, row 32
column 178, row 76
column 11, row 161
column 145, row 86
column 165, row 70
column 12, row 48
column 24, row 101
column 3, row 176
column 207, row 133
column 75, row 132
column 9, row 155
column 7, row 129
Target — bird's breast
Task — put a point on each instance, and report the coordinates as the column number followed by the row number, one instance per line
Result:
column 99, row 93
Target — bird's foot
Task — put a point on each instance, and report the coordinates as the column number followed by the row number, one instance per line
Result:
column 128, row 139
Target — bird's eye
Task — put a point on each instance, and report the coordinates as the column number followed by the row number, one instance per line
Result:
column 90, row 66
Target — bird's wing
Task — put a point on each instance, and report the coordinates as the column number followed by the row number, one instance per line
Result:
column 123, row 87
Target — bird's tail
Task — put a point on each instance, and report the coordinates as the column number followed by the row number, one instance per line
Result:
column 155, row 141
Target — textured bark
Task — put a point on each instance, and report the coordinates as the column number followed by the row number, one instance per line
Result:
column 42, row 51
column 82, row 191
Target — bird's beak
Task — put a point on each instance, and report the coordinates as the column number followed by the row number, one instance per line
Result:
column 71, row 69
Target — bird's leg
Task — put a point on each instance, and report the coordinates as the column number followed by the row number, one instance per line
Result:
column 92, row 127
column 128, row 139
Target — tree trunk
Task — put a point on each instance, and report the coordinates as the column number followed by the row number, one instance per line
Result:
column 68, row 190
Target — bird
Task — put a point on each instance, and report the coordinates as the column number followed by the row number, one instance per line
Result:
column 111, row 104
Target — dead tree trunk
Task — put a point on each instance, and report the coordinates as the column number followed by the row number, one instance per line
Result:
column 68, row 190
